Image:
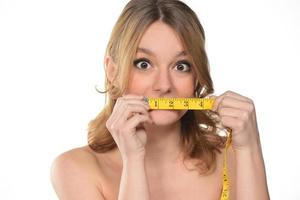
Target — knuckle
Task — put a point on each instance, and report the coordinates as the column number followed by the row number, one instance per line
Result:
column 107, row 124
column 126, row 106
column 240, row 125
column 251, row 107
column 113, row 128
column 245, row 115
column 226, row 99
column 120, row 100
column 228, row 92
column 250, row 100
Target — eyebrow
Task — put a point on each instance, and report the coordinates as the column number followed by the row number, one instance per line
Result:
column 151, row 53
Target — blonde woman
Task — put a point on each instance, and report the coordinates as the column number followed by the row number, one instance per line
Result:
column 157, row 49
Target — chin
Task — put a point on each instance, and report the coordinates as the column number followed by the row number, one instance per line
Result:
column 166, row 117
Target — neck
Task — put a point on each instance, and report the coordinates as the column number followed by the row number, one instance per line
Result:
column 163, row 143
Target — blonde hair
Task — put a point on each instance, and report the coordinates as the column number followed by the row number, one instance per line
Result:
column 136, row 17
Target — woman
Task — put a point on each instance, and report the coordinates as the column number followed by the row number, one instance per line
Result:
column 157, row 50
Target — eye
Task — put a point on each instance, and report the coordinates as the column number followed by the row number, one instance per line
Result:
column 183, row 66
column 142, row 63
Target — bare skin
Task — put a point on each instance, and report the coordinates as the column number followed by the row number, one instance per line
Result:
column 147, row 163
column 167, row 181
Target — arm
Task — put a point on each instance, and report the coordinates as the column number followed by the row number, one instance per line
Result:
column 238, row 113
column 124, row 124
column 134, row 183
column 250, row 174
column 74, row 173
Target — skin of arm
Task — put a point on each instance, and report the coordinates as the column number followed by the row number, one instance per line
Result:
column 131, row 139
column 238, row 113
column 134, row 183
column 250, row 174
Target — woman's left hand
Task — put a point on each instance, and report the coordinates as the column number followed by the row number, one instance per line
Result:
column 238, row 113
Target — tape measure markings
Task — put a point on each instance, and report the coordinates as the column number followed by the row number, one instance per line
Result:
column 180, row 103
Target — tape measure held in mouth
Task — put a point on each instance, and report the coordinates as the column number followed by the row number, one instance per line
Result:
column 180, row 103
column 194, row 104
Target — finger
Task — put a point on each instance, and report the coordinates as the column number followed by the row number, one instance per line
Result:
column 120, row 107
column 136, row 120
column 217, row 101
column 237, row 96
column 232, row 112
column 211, row 96
column 123, row 123
column 132, row 109
column 230, row 102
column 120, row 117
column 121, row 102
column 123, row 105
column 231, row 94
column 132, row 96
column 231, row 122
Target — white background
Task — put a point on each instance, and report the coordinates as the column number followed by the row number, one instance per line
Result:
column 51, row 54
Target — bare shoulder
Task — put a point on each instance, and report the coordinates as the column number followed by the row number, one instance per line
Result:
column 79, row 160
column 76, row 174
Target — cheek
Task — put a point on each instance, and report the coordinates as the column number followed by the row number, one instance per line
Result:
column 137, row 85
column 186, row 87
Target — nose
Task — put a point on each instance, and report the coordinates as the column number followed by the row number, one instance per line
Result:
column 163, row 81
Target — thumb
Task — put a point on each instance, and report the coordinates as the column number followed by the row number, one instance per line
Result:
column 211, row 96
column 214, row 97
column 216, row 101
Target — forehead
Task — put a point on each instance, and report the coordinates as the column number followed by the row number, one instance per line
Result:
column 161, row 38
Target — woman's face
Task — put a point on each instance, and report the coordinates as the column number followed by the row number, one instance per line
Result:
column 162, row 68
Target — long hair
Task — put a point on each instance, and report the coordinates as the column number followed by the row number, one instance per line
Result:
column 199, row 140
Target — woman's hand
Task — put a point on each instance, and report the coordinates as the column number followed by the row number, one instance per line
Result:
column 238, row 113
column 126, row 126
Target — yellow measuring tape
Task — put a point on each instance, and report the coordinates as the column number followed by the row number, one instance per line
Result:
column 194, row 104
column 180, row 103
column 225, row 190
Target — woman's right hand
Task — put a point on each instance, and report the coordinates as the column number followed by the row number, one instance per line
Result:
column 126, row 126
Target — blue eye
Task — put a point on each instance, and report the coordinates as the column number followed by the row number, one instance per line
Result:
column 142, row 63
column 183, row 66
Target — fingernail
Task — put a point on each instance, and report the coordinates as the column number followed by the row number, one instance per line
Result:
column 210, row 96
column 145, row 99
